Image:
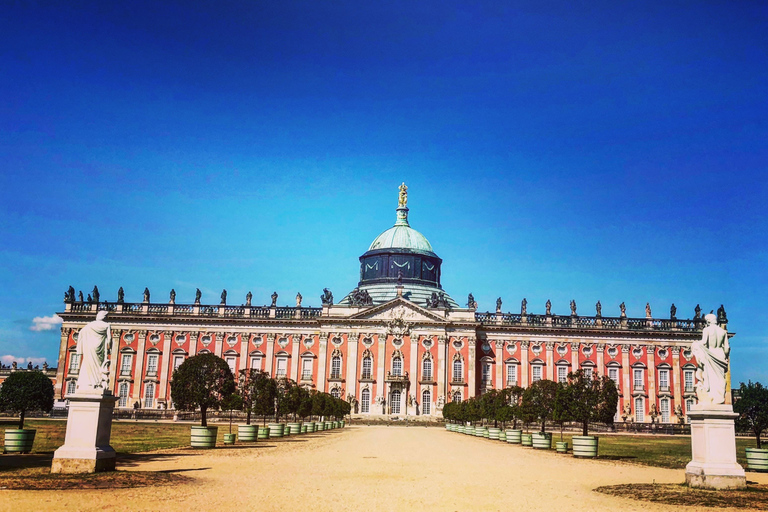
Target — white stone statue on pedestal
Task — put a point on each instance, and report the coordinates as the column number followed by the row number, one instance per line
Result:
column 93, row 349
column 711, row 354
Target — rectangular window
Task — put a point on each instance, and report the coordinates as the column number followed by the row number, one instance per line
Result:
column 74, row 363
column 152, row 364
column 255, row 363
column 367, row 365
column 123, row 394
column 536, row 372
column 511, row 375
column 232, row 363
column 638, row 378
column 587, row 373
column 562, row 374
column 426, row 369
column 365, row 401
column 613, row 374
column 458, row 371
column 397, row 366
column 664, row 380
column 306, row 369
column 125, row 365
column 639, row 411
column 486, row 373
column 71, row 386
column 149, row 396
column 282, row 364
column 664, row 406
column 688, row 379
column 688, row 405
column 177, row 360
column 336, row 368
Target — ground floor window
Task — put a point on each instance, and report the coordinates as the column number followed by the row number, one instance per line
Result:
column 149, row 396
column 71, row 386
column 426, row 398
column 394, row 402
column 639, row 411
column 664, row 406
column 688, row 404
column 335, row 392
column 562, row 374
column 457, row 396
column 536, row 372
column 123, row 394
column 365, row 401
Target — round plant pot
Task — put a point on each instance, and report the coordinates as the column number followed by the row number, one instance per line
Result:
column 343, row 423
column 585, row 446
column 263, row 433
column 469, row 430
column 514, row 436
column 203, row 437
column 526, row 440
column 304, row 429
column 448, row 427
column 247, row 433
column 229, row 438
column 460, row 429
column 294, row 428
column 319, row 426
column 541, row 440
column 327, row 425
column 757, row 459
column 503, row 436
column 19, row 440
column 334, row 424
column 310, row 426
column 493, row 433
column 480, row 431
column 561, row 446
column 276, row 430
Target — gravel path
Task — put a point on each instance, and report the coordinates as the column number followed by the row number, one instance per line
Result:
column 370, row 469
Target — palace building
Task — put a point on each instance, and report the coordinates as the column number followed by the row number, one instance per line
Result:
column 396, row 345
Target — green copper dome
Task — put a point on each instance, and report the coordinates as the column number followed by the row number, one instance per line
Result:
column 401, row 237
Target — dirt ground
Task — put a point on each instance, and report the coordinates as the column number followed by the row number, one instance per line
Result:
column 367, row 468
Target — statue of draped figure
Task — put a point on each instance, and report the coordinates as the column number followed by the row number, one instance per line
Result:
column 93, row 349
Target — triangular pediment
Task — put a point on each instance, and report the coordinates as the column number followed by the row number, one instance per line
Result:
column 399, row 308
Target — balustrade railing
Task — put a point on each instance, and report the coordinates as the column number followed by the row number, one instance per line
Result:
column 259, row 312
column 157, row 308
column 209, row 310
column 183, row 310
column 283, row 313
column 589, row 322
column 234, row 311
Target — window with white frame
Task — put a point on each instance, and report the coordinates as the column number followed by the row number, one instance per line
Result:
column 664, row 380
column 562, row 373
column 486, row 373
column 426, row 369
column 335, row 393
column 282, row 365
column 123, row 394
column 457, row 396
column 639, row 410
column 367, row 367
column 426, row 399
column 149, row 395
column 688, row 404
column 74, row 362
column 511, row 374
column 336, row 367
column 232, row 363
column 177, row 361
column 458, row 371
column 688, row 380
column 535, row 372
column 587, row 373
column 255, row 362
column 397, row 366
column 71, row 386
column 613, row 374
column 664, row 406
column 125, row 364
column 152, row 364
column 365, row 401
column 394, row 402
column 306, row 369
column 637, row 378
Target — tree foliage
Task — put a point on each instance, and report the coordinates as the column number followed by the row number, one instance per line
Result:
column 201, row 381
column 752, row 407
column 26, row 391
column 592, row 399
column 539, row 401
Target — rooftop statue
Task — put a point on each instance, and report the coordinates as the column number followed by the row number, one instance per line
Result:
column 648, row 310
column 549, row 307
column 673, row 312
column 223, row 297
column 471, row 303
column 71, row 293
column 327, row 297
column 361, row 298
column 274, row 299
column 402, row 199
column 96, row 294
column 172, row 297
column 80, row 296
column 599, row 309
column 198, row 295
column 93, row 349
column 573, row 308
column 120, row 296
column 146, row 294
column 498, row 305
column 90, row 299
column 524, row 307
column 248, row 298
column 721, row 318
column 298, row 299
column 623, row 308
column 712, row 355
column 697, row 312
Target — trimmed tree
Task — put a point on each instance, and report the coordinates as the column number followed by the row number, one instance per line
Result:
column 231, row 402
column 26, row 391
column 263, row 397
column 514, row 396
column 202, row 381
column 541, row 401
column 248, row 389
column 562, row 409
column 752, row 407
column 592, row 399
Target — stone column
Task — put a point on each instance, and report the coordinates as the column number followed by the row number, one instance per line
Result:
column 550, row 346
column 295, row 363
column 499, row 364
column 114, row 358
column 270, row 355
column 166, row 361
column 442, row 372
column 193, row 343
column 218, row 346
column 413, row 375
column 138, row 372
column 626, row 377
column 600, row 348
column 321, row 361
column 63, row 362
column 352, row 346
column 677, row 390
column 524, row 363
column 244, row 337
column 574, row 356
column 381, row 387
column 650, row 350
column 472, row 387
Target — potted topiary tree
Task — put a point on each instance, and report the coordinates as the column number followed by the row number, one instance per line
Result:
column 504, row 413
column 752, row 407
column 318, row 406
column 305, row 410
column 24, row 391
column 202, row 381
column 592, row 399
column 562, row 413
column 283, row 386
column 293, row 398
column 541, row 399
column 514, row 399
column 247, row 388
column 265, row 391
column 231, row 402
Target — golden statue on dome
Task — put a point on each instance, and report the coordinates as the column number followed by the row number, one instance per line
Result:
column 402, row 200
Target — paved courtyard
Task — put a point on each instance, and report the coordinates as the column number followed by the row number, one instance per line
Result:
column 366, row 468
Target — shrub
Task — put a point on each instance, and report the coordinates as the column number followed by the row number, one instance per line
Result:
column 201, row 381
column 26, row 391
column 752, row 407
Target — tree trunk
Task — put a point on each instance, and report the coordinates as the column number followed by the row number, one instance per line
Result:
column 757, row 437
column 543, row 425
column 203, row 422
column 248, row 416
column 23, row 413
column 585, row 428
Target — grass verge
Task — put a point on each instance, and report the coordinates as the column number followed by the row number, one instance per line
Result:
column 755, row 497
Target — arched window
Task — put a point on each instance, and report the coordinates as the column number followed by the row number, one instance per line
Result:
column 365, row 401
column 394, row 402
column 426, row 399
column 123, row 394
column 457, row 396
column 426, row 369
column 367, row 367
column 336, row 367
column 639, row 410
column 458, row 371
column 397, row 366
column 335, row 392
column 149, row 395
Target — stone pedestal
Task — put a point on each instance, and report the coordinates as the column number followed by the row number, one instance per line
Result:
column 713, row 442
column 86, row 446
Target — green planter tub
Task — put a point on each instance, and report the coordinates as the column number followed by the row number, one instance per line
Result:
column 757, row 459
column 19, row 440
column 334, row 424
column 304, row 428
column 276, row 430
column 310, row 426
column 493, row 433
column 247, row 433
column 448, row 427
column 561, row 446
column 541, row 440
column 263, row 433
column 585, row 446
column 229, row 438
column 503, row 436
column 469, row 430
column 514, row 436
column 319, row 426
column 203, row 437
column 460, row 429
column 481, row 431
column 526, row 439
column 327, row 425
column 294, row 428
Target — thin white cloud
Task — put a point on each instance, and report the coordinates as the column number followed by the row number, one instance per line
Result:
column 45, row 323
column 22, row 361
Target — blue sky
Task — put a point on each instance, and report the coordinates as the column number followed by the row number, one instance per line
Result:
column 553, row 150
